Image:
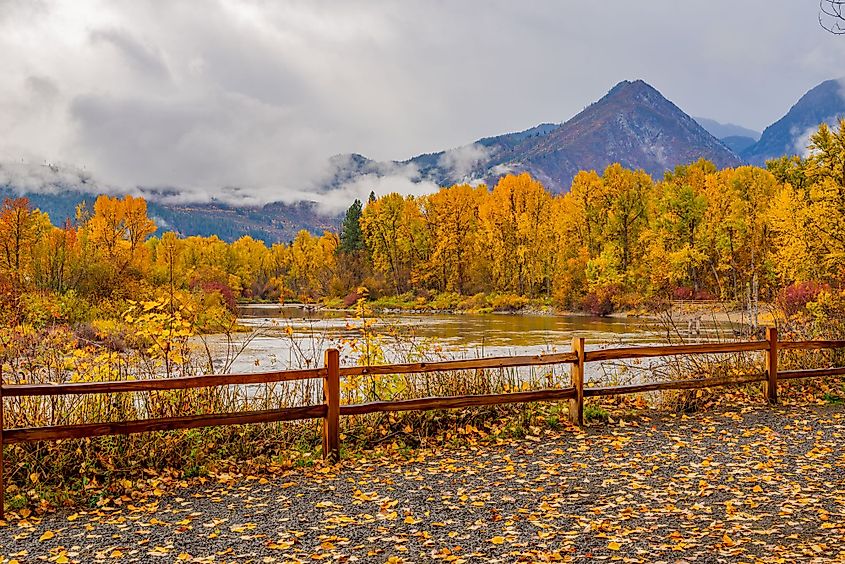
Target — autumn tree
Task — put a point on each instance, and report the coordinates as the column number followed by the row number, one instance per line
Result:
column 117, row 229
column 451, row 219
column 586, row 207
column 57, row 258
column 627, row 193
column 809, row 222
column 312, row 264
column 19, row 230
column 394, row 232
column 516, row 237
column 680, row 203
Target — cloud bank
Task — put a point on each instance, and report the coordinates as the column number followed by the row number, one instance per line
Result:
column 245, row 100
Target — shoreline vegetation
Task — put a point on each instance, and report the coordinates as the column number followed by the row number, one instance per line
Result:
column 106, row 296
column 719, row 312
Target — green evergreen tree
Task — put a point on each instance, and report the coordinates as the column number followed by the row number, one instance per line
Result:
column 351, row 239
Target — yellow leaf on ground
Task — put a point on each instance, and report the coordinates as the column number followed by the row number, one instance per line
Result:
column 497, row 540
column 613, row 545
column 47, row 535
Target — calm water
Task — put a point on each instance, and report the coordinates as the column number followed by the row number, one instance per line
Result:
column 288, row 336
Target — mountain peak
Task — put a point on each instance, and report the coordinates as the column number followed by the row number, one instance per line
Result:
column 824, row 103
column 637, row 83
column 633, row 124
column 631, row 88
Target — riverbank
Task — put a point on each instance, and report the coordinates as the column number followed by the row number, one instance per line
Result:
column 677, row 311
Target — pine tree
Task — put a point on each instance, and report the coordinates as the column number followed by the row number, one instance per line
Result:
column 351, row 239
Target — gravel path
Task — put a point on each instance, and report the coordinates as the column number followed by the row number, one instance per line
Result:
column 763, row 484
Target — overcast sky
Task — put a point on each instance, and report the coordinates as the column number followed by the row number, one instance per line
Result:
column 205, row 95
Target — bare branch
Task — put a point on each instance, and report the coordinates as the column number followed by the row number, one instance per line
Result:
column 831, row 17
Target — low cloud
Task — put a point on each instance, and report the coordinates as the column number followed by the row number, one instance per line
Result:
column 460, row 162
column 801, row 137
column 385, row 178
column 502, row 169
column 801, row 140
column 49, row 178
column 335, row 201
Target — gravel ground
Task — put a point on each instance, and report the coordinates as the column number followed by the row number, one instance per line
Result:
column 758, row 485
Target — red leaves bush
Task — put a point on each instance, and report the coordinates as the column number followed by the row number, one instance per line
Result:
column 687, row 293
column 352, row 298
column 211, row 286
column 794, row 298
column 600, row 302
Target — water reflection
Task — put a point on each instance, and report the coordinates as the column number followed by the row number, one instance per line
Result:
column 296, row 336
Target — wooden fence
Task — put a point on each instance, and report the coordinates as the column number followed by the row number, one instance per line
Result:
column 331, row 373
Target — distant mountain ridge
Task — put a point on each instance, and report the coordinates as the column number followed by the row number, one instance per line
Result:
column 789, row 135
column 721, row 130
column 633, row 124
column 273, row 222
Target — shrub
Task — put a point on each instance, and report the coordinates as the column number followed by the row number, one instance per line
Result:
column 474, row 303
column 508, row 302
column 682, row 293
column 38, row 309
column 703, row 294
column 794, row 298
column 352, row 298
column 601, row 301
column 74, row 308
column 216, row 286
column 445, row 301
column 597, row 304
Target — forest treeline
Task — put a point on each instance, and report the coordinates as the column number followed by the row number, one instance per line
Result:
column 617, row 239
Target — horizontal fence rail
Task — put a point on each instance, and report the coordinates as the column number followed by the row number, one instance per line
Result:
column 331, row 373
column 58, row 432
column 473, row 364
column 170, row 384
column 626, row 353
column 451, row 402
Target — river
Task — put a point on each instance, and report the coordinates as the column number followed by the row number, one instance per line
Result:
column 292, row 336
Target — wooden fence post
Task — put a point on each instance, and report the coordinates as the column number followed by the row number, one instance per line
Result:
column 770, row 386
column 576, row 404
column 331, row 395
